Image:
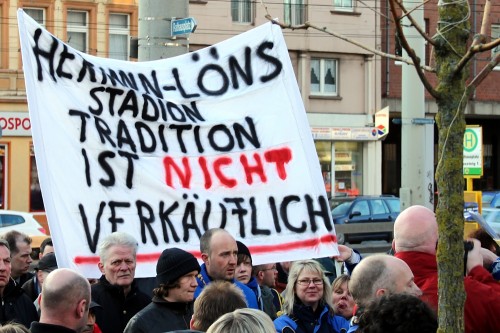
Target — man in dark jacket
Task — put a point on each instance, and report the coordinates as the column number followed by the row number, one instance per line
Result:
column 20, row 254
column 15, row 305
column 116, row 290
column 65, row 305
column 271, row 299
column 172, row 305
column 33, row 287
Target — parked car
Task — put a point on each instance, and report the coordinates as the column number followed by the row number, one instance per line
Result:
column 491, row 199
column 492, row 217
column 22, row 222
column 365, row 209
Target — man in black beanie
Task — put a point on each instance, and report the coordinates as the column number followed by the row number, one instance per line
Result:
column 172, row 305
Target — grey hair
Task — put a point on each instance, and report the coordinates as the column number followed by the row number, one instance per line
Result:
column 116, row 238
column 297, row 268
column 243, row 321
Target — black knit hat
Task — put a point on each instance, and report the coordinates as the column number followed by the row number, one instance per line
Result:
column 173, row 264
column 243, row 249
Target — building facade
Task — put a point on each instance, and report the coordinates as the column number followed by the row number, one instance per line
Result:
column 483, row 108
column 339, row 82
column 100, row 28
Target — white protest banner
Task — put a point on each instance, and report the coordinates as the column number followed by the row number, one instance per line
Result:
column 165, row 150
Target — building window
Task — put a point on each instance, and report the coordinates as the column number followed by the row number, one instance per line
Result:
column 119, row 36
column 78, row 30
column 324, row 76
column 344, row 5
column 36, row 201
column 38, row 14
column 495, row 34
column 295, row 12
column 342, row 166
column 242, row 11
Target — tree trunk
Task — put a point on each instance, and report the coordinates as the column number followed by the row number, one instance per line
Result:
column 453, row 96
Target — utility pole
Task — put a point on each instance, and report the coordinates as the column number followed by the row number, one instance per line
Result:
column 155, row 35
column 417, row 132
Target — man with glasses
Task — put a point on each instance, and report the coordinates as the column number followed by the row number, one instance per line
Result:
column 272, row 301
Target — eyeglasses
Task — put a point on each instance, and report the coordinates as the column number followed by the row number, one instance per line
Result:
column 269, row 269
column 307, row 282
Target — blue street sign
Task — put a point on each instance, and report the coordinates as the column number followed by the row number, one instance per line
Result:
column 183, row 26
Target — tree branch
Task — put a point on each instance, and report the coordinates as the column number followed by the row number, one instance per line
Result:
column 374, row 51
column 485, row 71
column 411, row 52
column 413, row 22
column 479, row 40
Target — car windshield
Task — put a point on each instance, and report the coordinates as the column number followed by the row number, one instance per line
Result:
column 487, row 197
column 342, row 208
column 394, row 204
column 491, row 215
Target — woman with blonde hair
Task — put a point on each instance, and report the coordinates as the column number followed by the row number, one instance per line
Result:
column 243, row 321
column 13, row 327
column 343, row 303
column 307, row 305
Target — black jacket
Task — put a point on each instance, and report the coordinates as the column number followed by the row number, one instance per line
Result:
column 48, row 328
column 31, row 289
column 117, row 309
column 161, row 316
column 23, row 278
column 16, row 306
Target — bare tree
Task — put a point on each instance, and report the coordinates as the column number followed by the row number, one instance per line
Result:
column 454, row 48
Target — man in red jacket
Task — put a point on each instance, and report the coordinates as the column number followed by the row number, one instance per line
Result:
column 415, row 240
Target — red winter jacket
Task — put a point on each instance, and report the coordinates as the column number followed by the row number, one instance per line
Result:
column 482, row 305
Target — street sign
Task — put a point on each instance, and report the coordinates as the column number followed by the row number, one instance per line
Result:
column 182, row 26
column 473, row 151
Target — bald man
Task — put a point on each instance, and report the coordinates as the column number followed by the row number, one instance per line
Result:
column 415, row 242
column 65, row 303
column 376, row 276
column 219, row 253
column 379, row 275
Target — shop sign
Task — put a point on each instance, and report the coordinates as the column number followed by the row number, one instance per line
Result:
column 321, row 133
column 345, row 133
column 343, row 156
column 341, row 133
column 364, row 134
column 15, row 123
column 345, row 167
column 382, row 122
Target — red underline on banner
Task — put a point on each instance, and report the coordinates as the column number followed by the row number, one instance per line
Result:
column 153, row 257
column 292, row 245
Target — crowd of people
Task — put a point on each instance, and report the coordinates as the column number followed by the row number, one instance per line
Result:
column 227, row 293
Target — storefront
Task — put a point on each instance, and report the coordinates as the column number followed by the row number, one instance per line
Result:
column 350, row 156
column 341, row 166
column 19, row 185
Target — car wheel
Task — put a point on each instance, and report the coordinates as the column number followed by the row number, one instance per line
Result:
column 341, row 239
